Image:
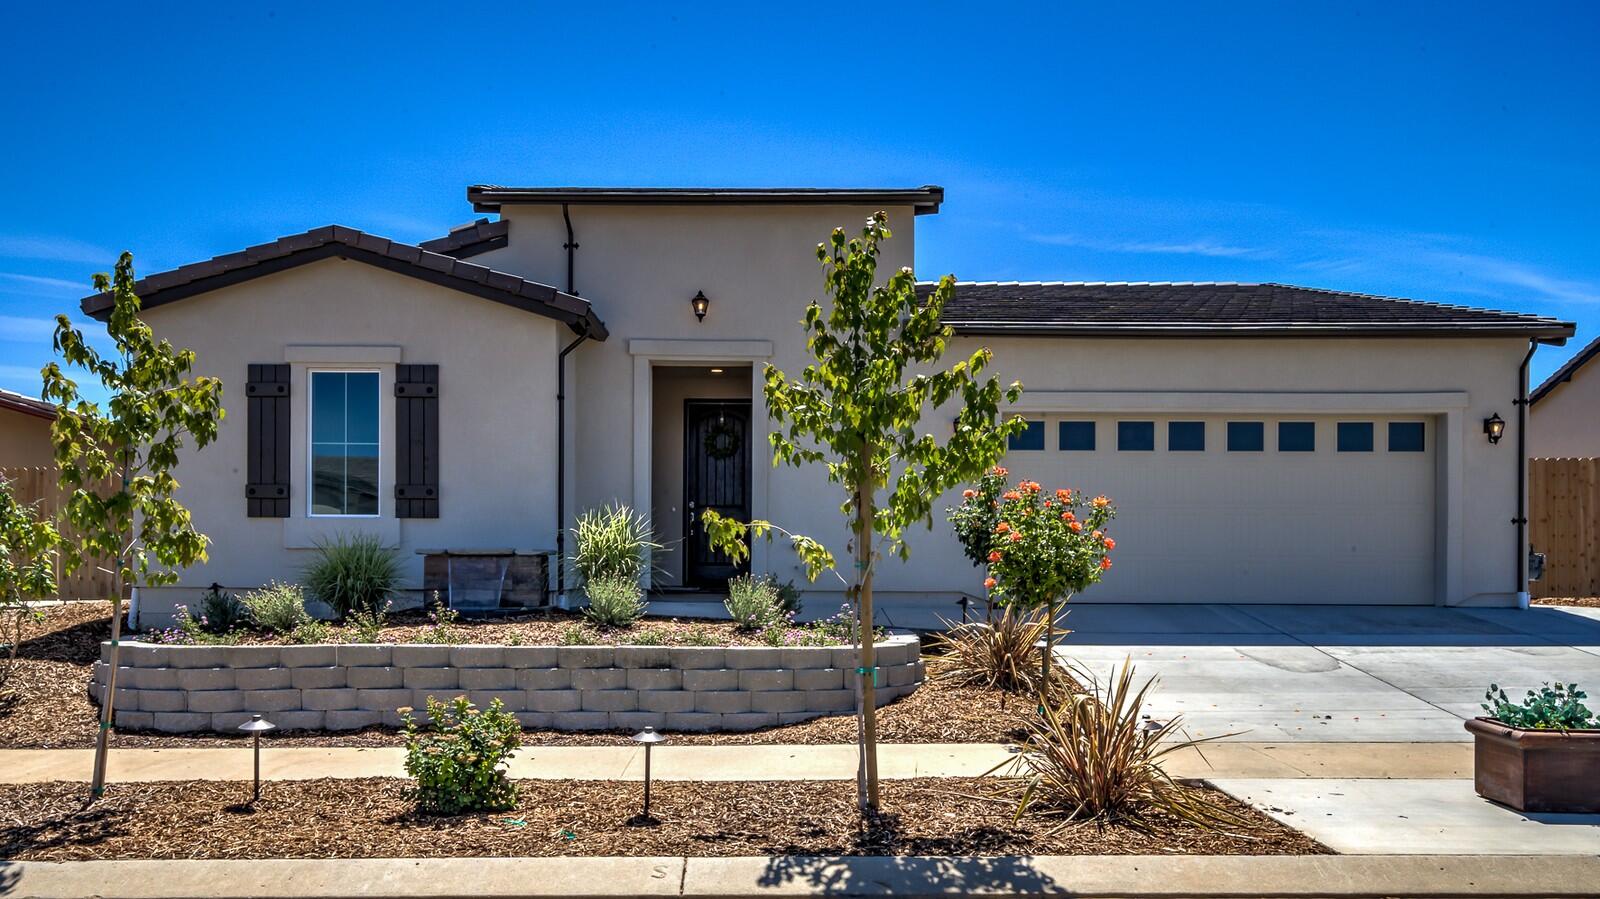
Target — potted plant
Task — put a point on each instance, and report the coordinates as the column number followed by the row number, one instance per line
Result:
column 1539, row 755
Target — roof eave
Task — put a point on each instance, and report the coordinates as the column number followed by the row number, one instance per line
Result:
column 1564, row 374
column 924, row 200
column 1547, row 332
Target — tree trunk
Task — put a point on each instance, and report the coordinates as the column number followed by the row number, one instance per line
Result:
column 867, row 675
column 102, row 744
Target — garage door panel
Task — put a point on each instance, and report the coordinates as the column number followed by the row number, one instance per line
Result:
column 1269, row 526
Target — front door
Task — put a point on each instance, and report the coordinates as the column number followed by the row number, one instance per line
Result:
column 716, row 475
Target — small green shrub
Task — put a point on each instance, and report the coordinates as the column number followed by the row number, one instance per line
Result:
column 457, row 759
column 788, row 595
column 752, row 602
column 368, row 625
column 311, row 631
column 699, row 636
column 353, row 573
column 442, row 631
column 648, row 636
column 279, row 608
column 1558, row 707
column 614, row 601
column 612, row 542
column 578, row 635
column 220, row 613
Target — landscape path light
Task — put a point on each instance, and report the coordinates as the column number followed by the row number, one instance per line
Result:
column 649, row 737
column 255, row 727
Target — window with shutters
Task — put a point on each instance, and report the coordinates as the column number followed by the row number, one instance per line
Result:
column 345, row 463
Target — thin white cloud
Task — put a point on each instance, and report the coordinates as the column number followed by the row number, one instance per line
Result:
column 1515, row 274
column 22, row 378
column 1181, row 248
column 55, row 249
column 54, row 286
column 23, row 329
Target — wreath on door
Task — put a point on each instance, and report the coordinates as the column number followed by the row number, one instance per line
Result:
column 722, row 440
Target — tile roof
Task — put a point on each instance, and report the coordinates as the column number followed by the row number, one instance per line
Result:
column 471, row 239
column 1564, row 374
column 348, row 243
column 27, row 405
column 923, row 200
column 1095, row 308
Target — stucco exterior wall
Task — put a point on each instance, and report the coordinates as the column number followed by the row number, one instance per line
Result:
column 24, row 441
column 1565, row 423
column 496, row 410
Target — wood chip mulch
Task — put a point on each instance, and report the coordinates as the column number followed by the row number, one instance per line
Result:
column 48, row 706
column 375, row 818
column 1587, row 601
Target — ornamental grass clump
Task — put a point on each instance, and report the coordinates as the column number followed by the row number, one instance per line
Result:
column 353, row 573
column 613, row 541
column 1002, row 654
column 614, row 601
column 457, row 759
column 1092, row 757
column 752, row 603
column 278, row 608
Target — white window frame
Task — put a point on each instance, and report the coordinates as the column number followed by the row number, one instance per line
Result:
column 311, row 442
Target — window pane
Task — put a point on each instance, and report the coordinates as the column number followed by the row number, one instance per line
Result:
column 361, row 479
column 1246, row 436
column 361, row 407
column 1136, row 436
column 1405, row 437
column 1031, row 439
column 1186, row 436
column 1297, row 437
column 327, row 407
column 327, row 479
column 1077, row 436
column 1355, row 436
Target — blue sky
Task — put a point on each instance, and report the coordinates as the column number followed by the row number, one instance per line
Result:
column 1441, row 151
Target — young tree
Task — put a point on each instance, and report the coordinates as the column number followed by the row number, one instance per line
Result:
column 856, row 410
column 27, row 570
column 132, row 444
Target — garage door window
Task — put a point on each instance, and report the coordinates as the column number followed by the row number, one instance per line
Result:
column 1136, row 436
column 1405, row 437
column 1297, row 437
column 1355, row 436
column 1077, row 436
column 1246, row 436
column 1186, row 436
column 1030, row 439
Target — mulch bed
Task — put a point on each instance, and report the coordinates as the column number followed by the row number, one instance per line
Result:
column 374, row 818
column 1588, row 601
column 48, row 706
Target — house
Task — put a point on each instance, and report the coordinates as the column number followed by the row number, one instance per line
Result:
column 25, row 432
column 1564, row 411
column 1265, row 443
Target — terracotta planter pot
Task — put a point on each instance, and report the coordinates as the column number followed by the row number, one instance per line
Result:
column 1536, row 770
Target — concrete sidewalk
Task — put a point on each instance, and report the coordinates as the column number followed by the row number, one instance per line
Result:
column 1130, row 877
column 749, row 762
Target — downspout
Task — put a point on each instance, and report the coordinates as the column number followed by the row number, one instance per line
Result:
column 561, row 424
column 1521, row 519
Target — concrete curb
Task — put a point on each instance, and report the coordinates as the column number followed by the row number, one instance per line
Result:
column 1155, row 877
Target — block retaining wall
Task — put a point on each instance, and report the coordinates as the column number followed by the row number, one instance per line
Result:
column 182, row 689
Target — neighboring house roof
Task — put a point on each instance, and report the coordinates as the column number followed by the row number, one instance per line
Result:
column 490, row 197
column 471, row 239
column 1218, row 309
column 27, row 405
column 1564, row 373
column 347, row 243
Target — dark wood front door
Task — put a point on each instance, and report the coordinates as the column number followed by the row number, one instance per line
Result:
column 716, row 475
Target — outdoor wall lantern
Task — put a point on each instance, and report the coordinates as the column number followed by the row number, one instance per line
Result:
column 255, row 727
column 649, row 737
column 701, row 305
column 1495, row 427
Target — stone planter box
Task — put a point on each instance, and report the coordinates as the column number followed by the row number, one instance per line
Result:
column 181, row 689
column 1536, row 770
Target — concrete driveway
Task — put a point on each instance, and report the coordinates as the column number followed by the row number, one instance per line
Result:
column 1335, row 673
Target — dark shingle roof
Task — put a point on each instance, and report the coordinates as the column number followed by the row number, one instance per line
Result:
column 471, row 239
column 27, row 405
column 1564, row 374
column 923, row 200
column 348, row 243
column 1200, row 309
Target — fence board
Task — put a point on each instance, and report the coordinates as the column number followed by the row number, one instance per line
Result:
column 38, row 487
column 1564, row 524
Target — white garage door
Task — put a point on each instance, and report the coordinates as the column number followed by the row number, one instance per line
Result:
column 1300, row 509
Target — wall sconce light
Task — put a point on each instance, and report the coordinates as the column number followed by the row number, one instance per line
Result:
column 701, row 305
column 1495, row 427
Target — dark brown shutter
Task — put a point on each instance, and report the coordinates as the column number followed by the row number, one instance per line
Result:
column 416, row 440
column 267, row 484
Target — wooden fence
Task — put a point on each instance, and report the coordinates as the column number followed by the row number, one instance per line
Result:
column 38, row 487
column 1564, row 524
